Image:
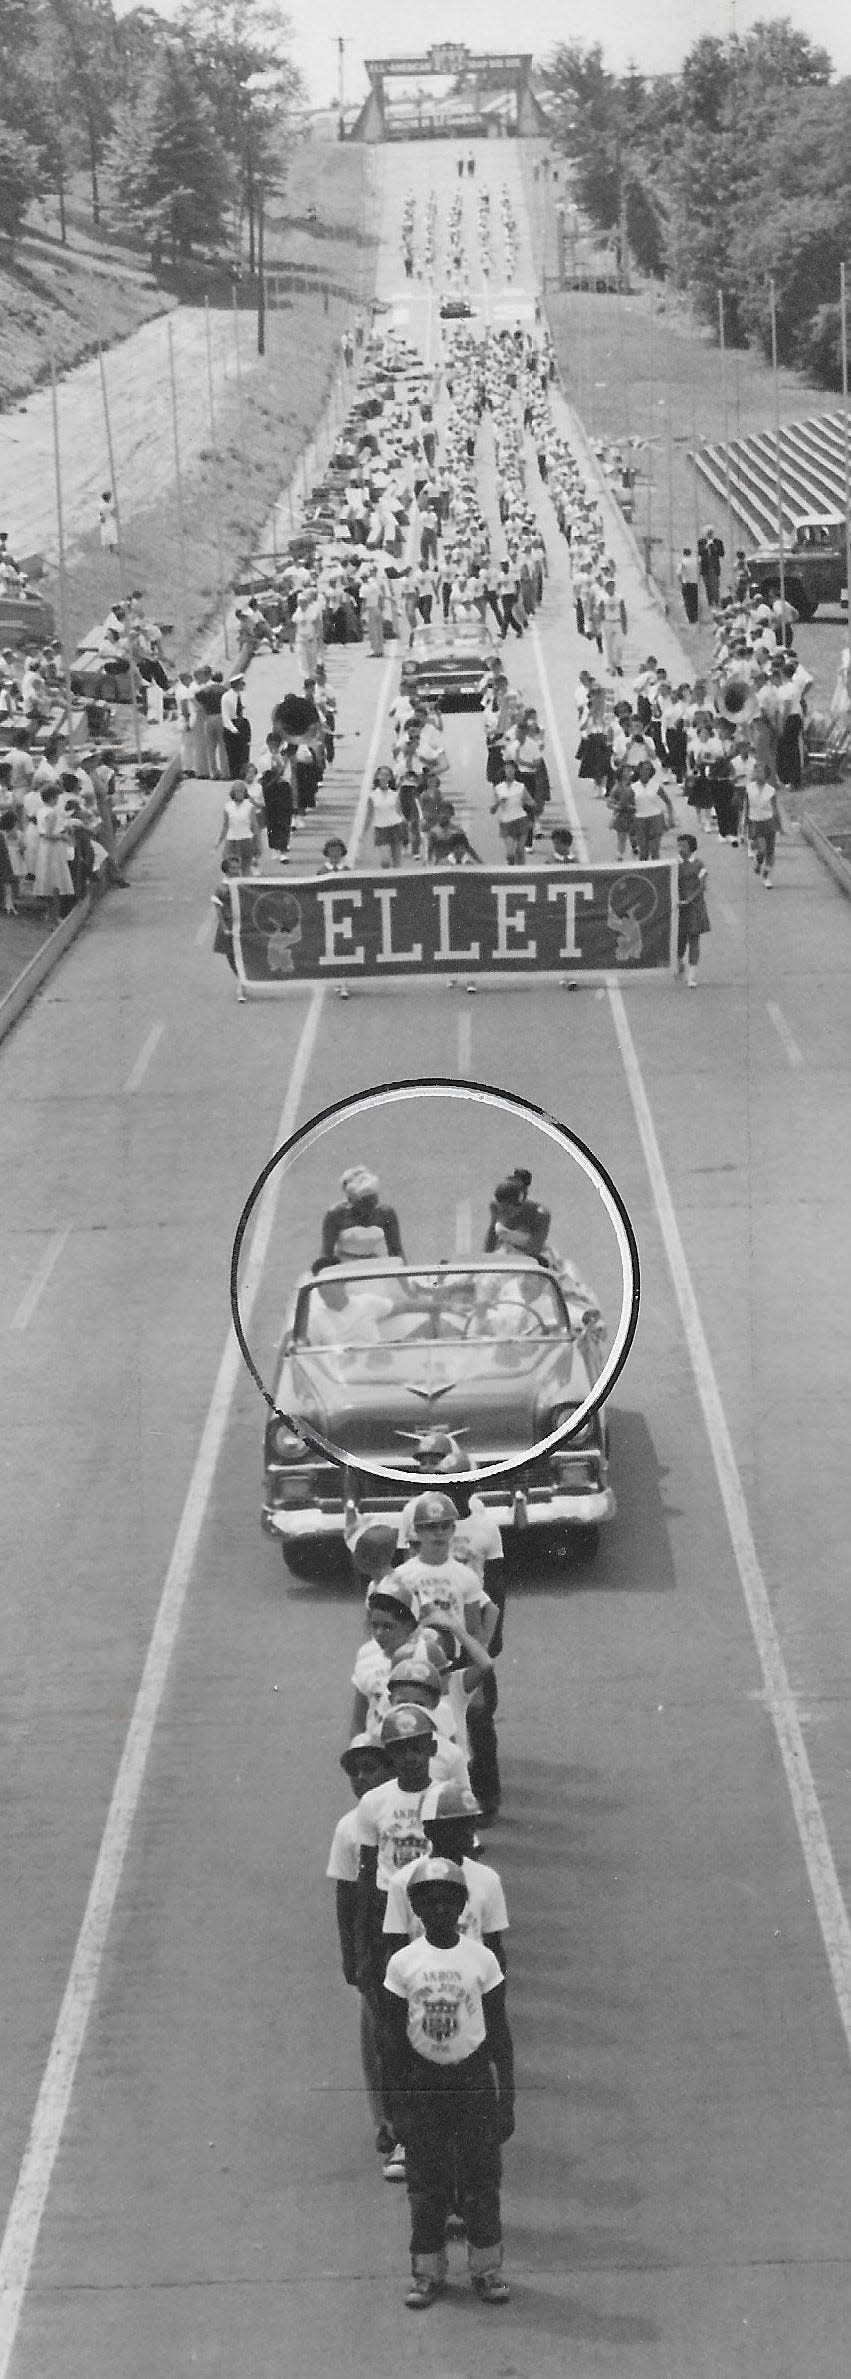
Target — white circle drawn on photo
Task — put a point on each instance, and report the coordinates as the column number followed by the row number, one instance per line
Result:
column 506, row 1353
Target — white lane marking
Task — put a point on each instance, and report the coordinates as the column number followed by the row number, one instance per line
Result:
column 779, row 1699
column 728, row 914
column 463, row 1226
column 557, row 749
column 784, row 1034
column 378, row 730
column 33, row 2183
column 203, row 933
column 24, row 1312
column 465, row 1041
column 137, row 1073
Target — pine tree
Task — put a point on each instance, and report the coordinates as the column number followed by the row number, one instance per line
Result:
column 165, row 160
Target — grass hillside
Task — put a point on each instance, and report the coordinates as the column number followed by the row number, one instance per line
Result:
column 62, row 300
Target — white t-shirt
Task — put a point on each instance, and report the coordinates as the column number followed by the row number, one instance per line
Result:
column 369, row 1677
column 477, row 1538
column 388, row 1820
column 485, row 1911
column 444, row 1989
column 344, row 1854
column 449, row 1586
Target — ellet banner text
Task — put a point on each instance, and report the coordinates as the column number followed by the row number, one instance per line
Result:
column 508, row 922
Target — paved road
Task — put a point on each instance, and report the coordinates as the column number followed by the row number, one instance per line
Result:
column 200, row 2190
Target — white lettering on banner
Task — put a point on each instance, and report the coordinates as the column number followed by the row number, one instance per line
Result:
column 513, row 919
column 340, row 928
column 443, row 895
column 570, row 894
column 385, row 896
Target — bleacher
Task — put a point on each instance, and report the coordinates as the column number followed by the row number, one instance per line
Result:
column 812, row 474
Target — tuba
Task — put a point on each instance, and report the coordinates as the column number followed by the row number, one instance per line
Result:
column 735, row 696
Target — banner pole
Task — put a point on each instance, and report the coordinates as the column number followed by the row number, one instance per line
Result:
column 846, row 455
column 181, row 525
column 726, row 419
column 235, row 309
column 772, row 295
column 651, row 406
column 63, row 591
column 218, row 485
column 122, row 574
column 669, row 435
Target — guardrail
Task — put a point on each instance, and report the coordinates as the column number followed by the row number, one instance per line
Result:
column 29, row 982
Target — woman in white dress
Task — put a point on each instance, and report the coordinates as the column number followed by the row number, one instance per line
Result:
column 53, row 879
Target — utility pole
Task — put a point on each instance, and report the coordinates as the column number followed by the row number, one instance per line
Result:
column 341, row 43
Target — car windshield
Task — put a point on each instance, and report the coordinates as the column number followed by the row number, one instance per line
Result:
column 401, row 1308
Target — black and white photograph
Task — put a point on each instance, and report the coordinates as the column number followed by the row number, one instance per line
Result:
column 425, row 1760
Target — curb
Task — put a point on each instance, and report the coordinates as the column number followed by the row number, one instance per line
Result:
column 29, row 982
column 826, row 851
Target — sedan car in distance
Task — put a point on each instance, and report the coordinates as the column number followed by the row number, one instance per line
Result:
column 447, row 660
column 455, row 308
column 498, row 1352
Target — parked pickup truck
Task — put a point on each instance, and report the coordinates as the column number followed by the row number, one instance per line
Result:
column 813, row 564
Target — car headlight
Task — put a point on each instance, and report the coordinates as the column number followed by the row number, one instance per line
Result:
column 556, row 1418
column 283, row 1442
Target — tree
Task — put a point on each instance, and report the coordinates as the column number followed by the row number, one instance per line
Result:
column 165, row 160
column 80, row 34
column 601, row 123
column 20, row 180
column 230, row 44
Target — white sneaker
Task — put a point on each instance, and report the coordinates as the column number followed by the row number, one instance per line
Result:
column 394, row 2169
column 767, row 882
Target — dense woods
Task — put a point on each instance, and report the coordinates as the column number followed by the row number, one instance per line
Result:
column 735, row 171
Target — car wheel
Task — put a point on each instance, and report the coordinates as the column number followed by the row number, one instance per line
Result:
column 584, row 1540
column 304, row 1557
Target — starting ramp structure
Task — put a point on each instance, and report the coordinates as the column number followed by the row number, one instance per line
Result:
column 474, row 76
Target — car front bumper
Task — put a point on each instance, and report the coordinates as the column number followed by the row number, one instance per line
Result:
column 518, row 1513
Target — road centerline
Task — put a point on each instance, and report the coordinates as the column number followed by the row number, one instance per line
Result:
column 784, row 1033
column 23, row 1313
column 149, row 1047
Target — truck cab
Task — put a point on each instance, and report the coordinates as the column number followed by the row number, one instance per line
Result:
column 813, row 564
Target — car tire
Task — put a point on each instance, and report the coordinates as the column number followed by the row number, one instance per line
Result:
column 584, row 1539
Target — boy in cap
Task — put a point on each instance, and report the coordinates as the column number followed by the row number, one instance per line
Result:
column 449, row 1816
column 365, row 1765
column 415, row 1676
column 448, row 1585
column 389, row 1835
column 391, row 1619
column 444, row 2029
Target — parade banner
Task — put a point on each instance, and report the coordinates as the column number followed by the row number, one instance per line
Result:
column 505, row 923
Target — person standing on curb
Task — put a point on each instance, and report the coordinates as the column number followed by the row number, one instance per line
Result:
column 688, row 573
column 444, row 2030
column 693, row 912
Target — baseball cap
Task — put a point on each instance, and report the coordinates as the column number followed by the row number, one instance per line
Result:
column 400, row 1598
column 425, row 1871
column 360, row 1748
column 406, row 1724
column 449, row 1800
column 431, row 1511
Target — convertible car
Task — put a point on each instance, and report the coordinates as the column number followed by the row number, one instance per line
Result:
column 375, row 1356
column 447, row 661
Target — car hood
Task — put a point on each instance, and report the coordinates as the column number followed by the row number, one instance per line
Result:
column 375, row 1400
